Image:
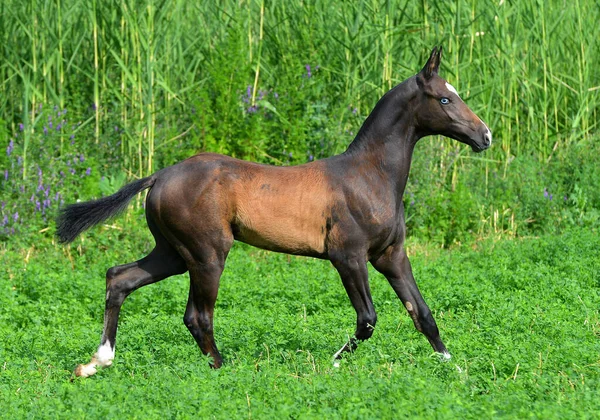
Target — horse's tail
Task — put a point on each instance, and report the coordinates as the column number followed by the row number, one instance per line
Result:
column 76, row 218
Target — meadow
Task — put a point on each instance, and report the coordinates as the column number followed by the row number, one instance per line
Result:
column 504, row 244
column 520, row 317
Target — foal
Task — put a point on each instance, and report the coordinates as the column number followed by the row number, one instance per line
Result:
column 347, row 209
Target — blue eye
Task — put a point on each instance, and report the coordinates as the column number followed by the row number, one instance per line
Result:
column 444, row 101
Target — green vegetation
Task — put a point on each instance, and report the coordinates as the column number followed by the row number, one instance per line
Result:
column 504, row 244
column 521, row 318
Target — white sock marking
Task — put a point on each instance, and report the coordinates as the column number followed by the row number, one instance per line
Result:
column 86, row 371
column 105, row 354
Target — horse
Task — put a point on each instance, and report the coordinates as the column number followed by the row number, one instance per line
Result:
column 347, row 209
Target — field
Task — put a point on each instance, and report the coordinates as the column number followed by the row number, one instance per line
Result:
column 504, row 244
column 520, row 317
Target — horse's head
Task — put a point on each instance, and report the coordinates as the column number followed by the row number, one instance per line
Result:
column 441, row 111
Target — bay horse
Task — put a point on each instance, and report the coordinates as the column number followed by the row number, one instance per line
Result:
column 347, row 209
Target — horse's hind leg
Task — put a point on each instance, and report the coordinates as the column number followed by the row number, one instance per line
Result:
column 162, row 262
column 198, row 318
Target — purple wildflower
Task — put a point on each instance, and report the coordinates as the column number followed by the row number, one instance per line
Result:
column 547, row 194
column 16, row 216
column 10, row 147
column 275, row 95
column 5, row 220
column 88, row 171
column 6, row 174
column 308, row 73
column 246, row 98
column 38, row 205
column 311, row 158
column 45, row 130
column 50, row 125
column 21, row 126
column 565, row 198
column 81, row 158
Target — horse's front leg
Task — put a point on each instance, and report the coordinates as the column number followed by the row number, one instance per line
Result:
column 395, row 266
column 353, row 272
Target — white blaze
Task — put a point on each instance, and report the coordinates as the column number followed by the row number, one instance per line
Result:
column 451, row 88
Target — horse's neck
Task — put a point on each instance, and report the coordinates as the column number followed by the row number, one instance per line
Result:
column 386, row 148
column 389, row 158
column 387, row 138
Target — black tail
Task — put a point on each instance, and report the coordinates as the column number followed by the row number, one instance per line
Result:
column 76, row 218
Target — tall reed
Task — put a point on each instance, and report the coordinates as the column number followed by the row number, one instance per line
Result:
column 171, row 77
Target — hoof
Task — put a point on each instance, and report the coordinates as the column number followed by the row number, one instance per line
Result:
column 85, row 371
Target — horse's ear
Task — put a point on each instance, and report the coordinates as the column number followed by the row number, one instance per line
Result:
column 433, row 64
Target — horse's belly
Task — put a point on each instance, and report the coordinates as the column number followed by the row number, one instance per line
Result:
column 294, row 232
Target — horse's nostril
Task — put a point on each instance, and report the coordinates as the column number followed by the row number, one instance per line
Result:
column 487, row 138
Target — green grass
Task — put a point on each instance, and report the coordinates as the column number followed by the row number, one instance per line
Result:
column 520, row 317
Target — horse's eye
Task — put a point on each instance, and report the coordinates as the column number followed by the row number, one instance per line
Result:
column 444, row 101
